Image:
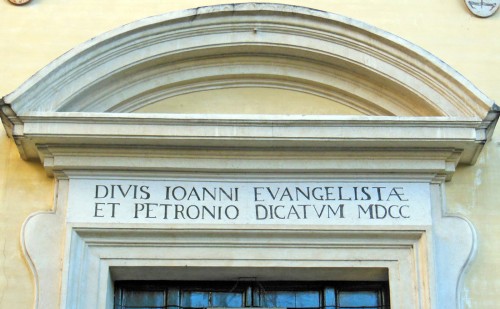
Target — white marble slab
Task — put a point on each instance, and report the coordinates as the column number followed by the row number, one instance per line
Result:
column 228, row 202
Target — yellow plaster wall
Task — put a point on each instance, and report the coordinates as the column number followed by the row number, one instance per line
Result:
column 249, row 101
column 33, row 35
column 24, row 189
column 474, row 193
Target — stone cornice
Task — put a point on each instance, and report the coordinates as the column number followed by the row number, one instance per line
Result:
column 159, row 142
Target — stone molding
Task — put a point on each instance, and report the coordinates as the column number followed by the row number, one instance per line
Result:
column 250, row 44
column 300, row 251
column 61, row 140
column 92, row 89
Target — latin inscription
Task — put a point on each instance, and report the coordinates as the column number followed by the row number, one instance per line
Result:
column 206, row 202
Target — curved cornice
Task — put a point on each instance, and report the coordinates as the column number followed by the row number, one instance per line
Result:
column 238, row 45
column 83, row 100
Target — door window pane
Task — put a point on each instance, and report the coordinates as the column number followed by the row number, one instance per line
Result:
column 291, row 295
column 292, row 299
column 192, row 299
column 365, row 299
column 208, row 299
column 308, row 299
column 278, row 299
column 221, row 299
column 142, row 300
column 330, row 298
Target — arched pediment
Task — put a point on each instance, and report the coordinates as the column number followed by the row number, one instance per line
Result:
column 411, row 99
column 249, row 45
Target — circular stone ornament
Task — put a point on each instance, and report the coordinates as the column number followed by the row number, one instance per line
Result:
column 19, row 2
column 483, row 8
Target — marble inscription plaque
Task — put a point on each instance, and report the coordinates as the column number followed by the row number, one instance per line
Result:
column 222, row 202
